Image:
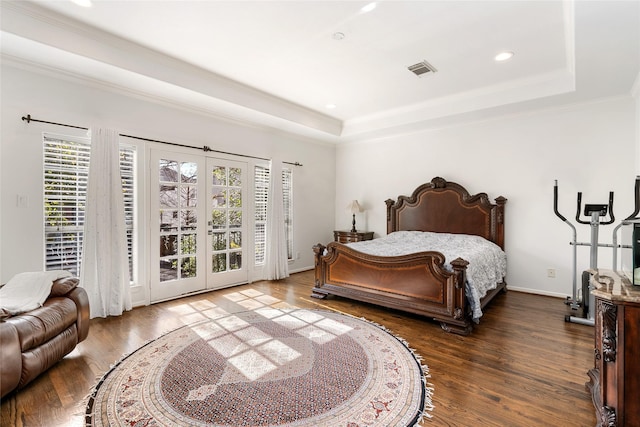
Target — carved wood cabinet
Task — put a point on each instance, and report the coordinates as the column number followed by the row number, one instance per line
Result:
column 352, row 236
column 615, row 379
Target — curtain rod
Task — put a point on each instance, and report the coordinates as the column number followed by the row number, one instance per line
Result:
column 205, row 148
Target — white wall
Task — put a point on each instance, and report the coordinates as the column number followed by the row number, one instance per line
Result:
column 48, row 97
column 588, row 148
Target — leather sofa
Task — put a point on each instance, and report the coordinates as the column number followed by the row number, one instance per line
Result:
column 34, row 341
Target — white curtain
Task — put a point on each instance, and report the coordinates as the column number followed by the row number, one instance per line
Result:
column 276, row 259
column 105, row 266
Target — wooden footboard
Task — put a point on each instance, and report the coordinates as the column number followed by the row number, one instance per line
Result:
column 416, row 283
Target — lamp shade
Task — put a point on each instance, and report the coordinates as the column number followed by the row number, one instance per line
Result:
column 354, row 207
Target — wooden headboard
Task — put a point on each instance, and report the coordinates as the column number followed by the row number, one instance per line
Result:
column 447, row 207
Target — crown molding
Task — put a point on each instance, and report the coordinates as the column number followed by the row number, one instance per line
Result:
column 29, row 21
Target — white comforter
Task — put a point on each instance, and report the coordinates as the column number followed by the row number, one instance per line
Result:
column 487, row 262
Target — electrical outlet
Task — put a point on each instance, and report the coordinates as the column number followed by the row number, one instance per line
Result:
column 551, row 272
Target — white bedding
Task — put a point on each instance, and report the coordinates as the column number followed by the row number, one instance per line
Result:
column 487, row 262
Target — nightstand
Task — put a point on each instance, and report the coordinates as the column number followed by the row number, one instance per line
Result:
column 351, row 236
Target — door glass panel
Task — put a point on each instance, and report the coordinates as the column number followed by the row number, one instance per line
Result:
column 219, row 262
column 189, row 196
column 219, row 197
column 178, row 219
column 168, row 269
column 219, row 241
column 218, row 218
column 188, row 267
column 168, row 196
column 168, row 171
column 189, row 172
column 235, row 260
column 236, row 239
column 235, row 177
column 226, row 218
column 235, row 198
column 188, row 244
column 168, row 220
column 168, row 245
column 219, row 175
column 235, row 218
column 188, row 220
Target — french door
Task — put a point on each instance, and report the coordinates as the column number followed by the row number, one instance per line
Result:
column 198, row 224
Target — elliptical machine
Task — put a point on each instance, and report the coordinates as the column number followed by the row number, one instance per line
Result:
column 595, row 212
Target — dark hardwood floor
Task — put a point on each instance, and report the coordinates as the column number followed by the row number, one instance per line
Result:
column 522, row 366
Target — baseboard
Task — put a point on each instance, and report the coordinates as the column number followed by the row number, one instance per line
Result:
column 537, row 292
column 300, row 270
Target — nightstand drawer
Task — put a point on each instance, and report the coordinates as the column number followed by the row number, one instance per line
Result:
column 351, row 236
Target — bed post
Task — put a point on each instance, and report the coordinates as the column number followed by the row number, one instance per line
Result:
column 460, row 324
column 459, row 266
column 318, row 251
column 391, row 220
column 500, row 202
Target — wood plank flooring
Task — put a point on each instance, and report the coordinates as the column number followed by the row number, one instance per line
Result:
column 522, row 366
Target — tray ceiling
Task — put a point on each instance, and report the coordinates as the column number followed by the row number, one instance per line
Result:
column 284, row 63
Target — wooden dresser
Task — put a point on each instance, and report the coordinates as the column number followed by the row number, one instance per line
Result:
column 352, row 236
column 615, row 379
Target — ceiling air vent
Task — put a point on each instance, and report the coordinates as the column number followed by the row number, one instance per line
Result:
column 422, row 68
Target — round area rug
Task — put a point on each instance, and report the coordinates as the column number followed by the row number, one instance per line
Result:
column 267, row 367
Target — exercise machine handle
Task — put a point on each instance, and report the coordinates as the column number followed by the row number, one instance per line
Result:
column 555, row 202
column 579, row 208
column 634, row 215
column 611, row 217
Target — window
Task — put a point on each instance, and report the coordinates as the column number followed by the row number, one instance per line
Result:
column 287, row 190
column 261, row 183
column 66, row 167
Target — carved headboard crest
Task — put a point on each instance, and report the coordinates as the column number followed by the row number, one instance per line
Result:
column 438, row 182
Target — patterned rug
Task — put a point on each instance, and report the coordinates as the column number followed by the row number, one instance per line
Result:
column 266, row 367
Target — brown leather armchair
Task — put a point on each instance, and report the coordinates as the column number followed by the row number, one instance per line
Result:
column 34, row 341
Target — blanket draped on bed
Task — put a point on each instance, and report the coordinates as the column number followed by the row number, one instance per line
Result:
column 487, row 262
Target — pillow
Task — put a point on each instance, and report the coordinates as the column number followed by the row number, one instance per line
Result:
column 62, row 287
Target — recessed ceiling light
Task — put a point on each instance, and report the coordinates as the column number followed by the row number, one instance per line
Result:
column 369, row 7
column 330, row 106
column 83, row 3
column 503, row 56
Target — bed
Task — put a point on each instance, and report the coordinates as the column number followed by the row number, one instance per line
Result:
column 426, row 282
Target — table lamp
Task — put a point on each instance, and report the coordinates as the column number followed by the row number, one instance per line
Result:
column 354, row 208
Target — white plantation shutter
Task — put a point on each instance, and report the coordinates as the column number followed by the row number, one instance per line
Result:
column 261, row 191
column 127, row 174
column 66, row 166
column 287, row 189
column 261, row 183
